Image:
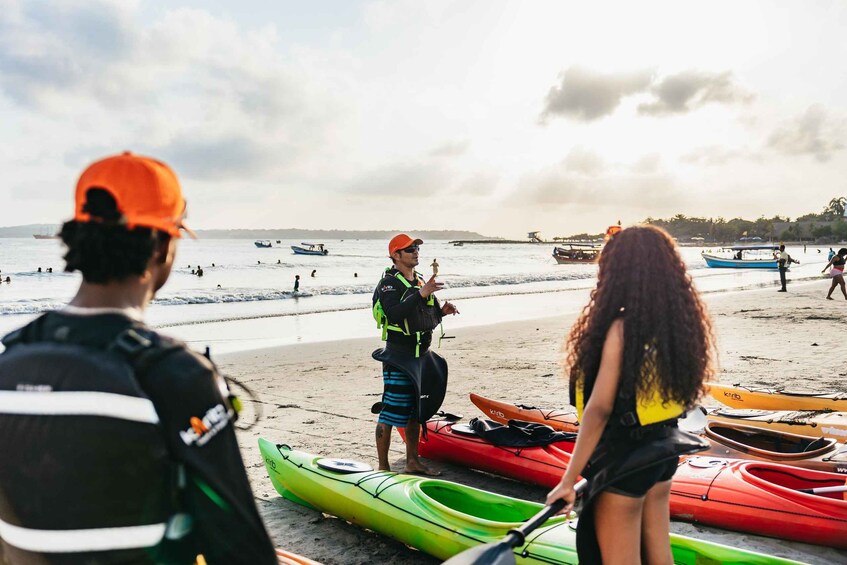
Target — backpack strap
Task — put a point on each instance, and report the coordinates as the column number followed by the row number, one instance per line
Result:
column 141, row 348
column 27, row 334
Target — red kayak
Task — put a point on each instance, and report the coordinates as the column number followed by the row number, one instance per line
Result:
column 761, row 498
column 539, row 465
column 729, row 440
column 746, row 496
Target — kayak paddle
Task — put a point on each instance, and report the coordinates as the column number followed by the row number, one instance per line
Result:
column 823, row 490
column 500, row 553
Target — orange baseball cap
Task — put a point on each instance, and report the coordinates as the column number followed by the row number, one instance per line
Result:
column 146, row 191
column 401, row 241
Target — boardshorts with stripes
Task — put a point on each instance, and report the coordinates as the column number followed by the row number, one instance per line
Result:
column 398, row 398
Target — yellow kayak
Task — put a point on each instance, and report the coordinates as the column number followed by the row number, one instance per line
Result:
column 737, row 396
column 815, row 423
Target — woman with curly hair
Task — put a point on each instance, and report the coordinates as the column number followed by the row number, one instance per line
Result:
column 637, row 358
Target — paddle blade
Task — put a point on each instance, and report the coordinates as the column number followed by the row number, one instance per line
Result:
column 694, row 421
column 499, row 553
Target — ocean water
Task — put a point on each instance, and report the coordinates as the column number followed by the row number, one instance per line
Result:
column 245, row 299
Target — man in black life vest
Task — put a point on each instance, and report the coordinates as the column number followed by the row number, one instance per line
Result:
column 118, row 443
column 415, row 379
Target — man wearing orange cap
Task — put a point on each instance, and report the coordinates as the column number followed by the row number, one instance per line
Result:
column 117, row 442
column 414, row 378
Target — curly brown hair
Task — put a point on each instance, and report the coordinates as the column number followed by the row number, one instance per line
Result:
column 643, row 280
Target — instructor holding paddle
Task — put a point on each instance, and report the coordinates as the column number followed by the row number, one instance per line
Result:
column 637, row 359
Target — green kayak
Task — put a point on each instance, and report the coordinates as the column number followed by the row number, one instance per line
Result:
column 443, row 518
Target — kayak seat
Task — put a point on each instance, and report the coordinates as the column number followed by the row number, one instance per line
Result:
column 767, row 443
column 819, row 443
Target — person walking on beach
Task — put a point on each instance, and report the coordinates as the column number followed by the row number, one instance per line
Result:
column 784, row 261
column 637, row 359
column 118, row 437
column 414, row 378
column 837, row 262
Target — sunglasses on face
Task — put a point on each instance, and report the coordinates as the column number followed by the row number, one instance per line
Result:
column 411, row 249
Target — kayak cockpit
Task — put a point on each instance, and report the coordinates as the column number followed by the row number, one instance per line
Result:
column 767, row 443
column 789, row 481
column 474, row 506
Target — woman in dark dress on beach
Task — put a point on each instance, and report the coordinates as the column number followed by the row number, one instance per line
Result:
column 636, row 359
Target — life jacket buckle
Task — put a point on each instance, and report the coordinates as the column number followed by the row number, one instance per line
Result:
column 130, row 342
column 629, row 419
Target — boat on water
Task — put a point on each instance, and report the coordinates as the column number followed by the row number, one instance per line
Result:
column 443, row 518
column 743, row 257
column 262, row 243
column 42, row 236
column 310, row 249
column 576, row 253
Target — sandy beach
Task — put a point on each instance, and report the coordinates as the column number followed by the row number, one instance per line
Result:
column 317, row 398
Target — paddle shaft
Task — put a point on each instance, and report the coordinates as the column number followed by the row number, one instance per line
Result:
column 518, row 535
column 823, row 490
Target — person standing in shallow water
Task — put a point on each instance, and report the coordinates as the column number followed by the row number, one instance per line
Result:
column 837, row 273
column 637, row 358
column 784, row 260
column 296, row 283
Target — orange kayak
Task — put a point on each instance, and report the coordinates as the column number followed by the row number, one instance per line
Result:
column 737, row 396
column 562, row 420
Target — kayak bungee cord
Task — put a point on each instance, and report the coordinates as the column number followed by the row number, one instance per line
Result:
column 546, row 414
column 516, row 451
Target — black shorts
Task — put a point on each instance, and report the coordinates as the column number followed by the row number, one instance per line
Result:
column 637, row 484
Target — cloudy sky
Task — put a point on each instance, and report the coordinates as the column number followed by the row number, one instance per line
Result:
column 499, row 117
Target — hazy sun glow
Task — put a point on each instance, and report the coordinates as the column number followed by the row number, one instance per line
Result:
column 498, row 117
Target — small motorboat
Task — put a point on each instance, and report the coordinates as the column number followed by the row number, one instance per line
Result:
column 743, row 257
column 310, row 249
column 262, row 243
column 576, row 253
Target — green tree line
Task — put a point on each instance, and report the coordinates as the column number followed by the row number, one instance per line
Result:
column 829, row 225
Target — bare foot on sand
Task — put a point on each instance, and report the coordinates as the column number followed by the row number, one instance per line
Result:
column 418, row 468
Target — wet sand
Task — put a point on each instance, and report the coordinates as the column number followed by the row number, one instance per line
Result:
column 317, row 398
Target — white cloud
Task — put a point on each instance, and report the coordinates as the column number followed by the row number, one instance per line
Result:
column 813, row 133
column 690, row 90
column 588, row 95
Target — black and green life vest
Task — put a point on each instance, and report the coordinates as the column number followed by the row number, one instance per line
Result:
column 382, row 320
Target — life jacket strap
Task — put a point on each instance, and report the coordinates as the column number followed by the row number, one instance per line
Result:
column 75, row 541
